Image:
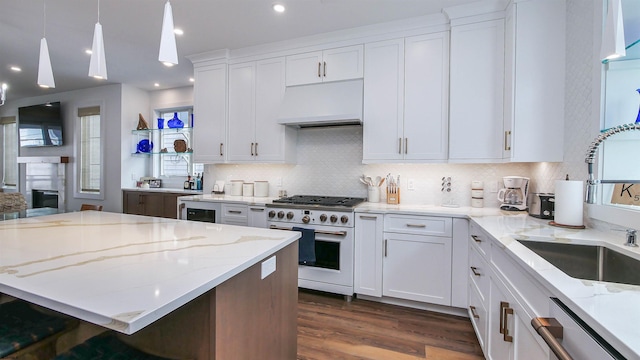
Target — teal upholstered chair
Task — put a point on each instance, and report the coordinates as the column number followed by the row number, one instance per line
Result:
column 26, row 333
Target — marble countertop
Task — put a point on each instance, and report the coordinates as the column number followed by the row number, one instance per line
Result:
column 165, row 190
column 122, row 271
column 612, row 310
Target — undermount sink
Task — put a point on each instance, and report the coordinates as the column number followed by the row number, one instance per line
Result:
column 588, row 262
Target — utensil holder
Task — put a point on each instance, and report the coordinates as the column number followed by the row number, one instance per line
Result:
column 393, row 197
column 373, row 194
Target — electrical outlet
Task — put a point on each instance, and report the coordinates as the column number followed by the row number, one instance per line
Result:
column 493, row 187
column 134, row 176
column 279, row 182
column 411, row 185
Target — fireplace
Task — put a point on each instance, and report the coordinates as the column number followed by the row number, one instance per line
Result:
column 44, row 198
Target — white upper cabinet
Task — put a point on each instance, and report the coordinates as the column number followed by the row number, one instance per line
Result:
column 210, row 112
column 342, row 63
column 256, row 90
column 476, row 94
column 406, row 99
column 534, row 80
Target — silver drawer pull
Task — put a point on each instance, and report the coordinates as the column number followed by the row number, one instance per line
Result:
column 234, row 212
column 551, row 330
column 476, row 238
column 474, row 270
column 367, row 217
column 256, row 209
column 417, row 225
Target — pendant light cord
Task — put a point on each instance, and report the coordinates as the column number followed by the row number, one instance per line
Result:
column 44, row 21
column 98, row 11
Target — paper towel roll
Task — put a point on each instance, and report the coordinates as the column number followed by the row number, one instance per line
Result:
column 569, row 203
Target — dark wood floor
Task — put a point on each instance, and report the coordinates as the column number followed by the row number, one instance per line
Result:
column 331, row 328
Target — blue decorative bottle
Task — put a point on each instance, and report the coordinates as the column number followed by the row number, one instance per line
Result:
column 638, row 117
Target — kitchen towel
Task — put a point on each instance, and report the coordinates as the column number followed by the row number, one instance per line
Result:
column 306, row 246
column 568, row 202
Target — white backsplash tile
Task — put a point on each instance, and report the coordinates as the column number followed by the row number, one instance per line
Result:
column 330, row 163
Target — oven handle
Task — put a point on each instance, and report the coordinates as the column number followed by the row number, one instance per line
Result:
column 337, row 233
column 551, row 330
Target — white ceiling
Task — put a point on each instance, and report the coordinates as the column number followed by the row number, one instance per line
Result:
column 132, row 34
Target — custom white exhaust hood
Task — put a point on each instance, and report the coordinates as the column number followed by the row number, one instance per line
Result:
column 324, row 104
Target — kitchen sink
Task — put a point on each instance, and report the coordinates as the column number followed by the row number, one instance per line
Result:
column 588, row 262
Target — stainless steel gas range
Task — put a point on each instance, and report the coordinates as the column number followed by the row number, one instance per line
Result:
column 329, row 221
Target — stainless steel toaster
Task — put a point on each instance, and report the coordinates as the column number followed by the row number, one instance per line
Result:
column 542, row 205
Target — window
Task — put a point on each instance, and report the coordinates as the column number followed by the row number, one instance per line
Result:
column 90, row 151
column 9, row 151
column 175, row 164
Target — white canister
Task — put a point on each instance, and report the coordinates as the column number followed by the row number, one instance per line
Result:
column 477, row 185
column 373, row 194
column 478, row 194
column 236, row 187
column 247, row 189
column 261, row 189
column 477, row 202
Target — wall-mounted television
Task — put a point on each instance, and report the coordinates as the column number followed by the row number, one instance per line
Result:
column 40, row 125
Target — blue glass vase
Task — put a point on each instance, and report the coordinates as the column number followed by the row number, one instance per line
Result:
column 175, row 123
column 638, row 117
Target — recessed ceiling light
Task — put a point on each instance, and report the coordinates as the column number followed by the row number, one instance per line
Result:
column 15, row 68
column 278, row 8
column 192, row 79
column 168, row 64
column 88, row 51
column 178, row 31
column 156, row 85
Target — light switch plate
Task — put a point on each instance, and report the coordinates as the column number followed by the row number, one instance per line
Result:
column 268, row 267
column 411, row 185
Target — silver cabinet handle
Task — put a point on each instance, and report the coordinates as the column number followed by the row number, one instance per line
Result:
column 256, row 209
column 399, row 145
column 417, row 225
column 256, row 149
column 385, row 247
column 319, row 64
column 234, row 212
column 406, row 145
column 251, row 149
column 551, row 330
column 324, row 72
column 476, row 238
column 220, row 149
column 506, row 141
column 367, row 217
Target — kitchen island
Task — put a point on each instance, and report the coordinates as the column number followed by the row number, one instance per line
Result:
column 177, row 288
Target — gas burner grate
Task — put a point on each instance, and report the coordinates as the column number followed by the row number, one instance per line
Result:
column 320, row 200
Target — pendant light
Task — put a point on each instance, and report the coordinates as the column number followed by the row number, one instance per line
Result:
column 168, row 52
column 98, row 64
column 45, row 72
column 613, row 43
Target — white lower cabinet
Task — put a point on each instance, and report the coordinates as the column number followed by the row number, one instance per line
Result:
column 235, row 214
column 257, row 216
column 404, row 257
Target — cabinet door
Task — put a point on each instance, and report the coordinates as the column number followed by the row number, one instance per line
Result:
column 132, row 203
column 426, row 100
column 383, row 101
column 343, row 63
column 169, row 205
column 257, row 216
column 154, row 204
column 476, row 92
column 417, row 268
column 368, row 256
column 304, row 68
column 241, row 112
column 269, row 135
column 210, row 113
column 499, row 348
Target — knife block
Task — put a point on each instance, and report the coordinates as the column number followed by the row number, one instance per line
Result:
column 393, row 197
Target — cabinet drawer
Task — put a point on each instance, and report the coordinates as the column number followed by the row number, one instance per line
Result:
column 418, row 225
column 478, row 315
column 234, row 214
column 480, row 239
column 479, row 274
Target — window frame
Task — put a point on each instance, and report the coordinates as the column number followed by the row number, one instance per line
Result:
column 78, row 193
column 9, row 120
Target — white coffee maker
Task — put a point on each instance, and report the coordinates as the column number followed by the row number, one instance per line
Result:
column 515, row 193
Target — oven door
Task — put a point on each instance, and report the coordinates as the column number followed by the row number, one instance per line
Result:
column 207, row 211
column 333, row 268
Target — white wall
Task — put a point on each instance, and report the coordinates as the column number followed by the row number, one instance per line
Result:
column 134, row 102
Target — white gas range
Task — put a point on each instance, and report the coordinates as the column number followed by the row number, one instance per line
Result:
column 329, row 221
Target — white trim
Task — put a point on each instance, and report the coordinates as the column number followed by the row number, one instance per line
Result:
column 77, row 194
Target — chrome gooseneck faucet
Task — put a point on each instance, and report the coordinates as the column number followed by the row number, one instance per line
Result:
column 592, row 182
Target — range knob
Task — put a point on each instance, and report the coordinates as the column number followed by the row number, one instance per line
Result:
column 344, row 219
column 280, row 214
column 272, row 214
column 333, row 218
column 323, row 217
column 306, row 219
column 289, row 215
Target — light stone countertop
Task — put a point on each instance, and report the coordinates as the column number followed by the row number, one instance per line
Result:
column 123, row 271
column 249, row 200
column 165, row 190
